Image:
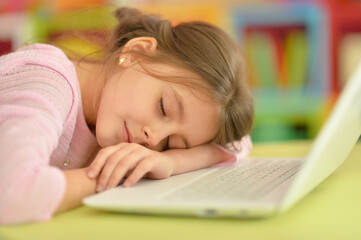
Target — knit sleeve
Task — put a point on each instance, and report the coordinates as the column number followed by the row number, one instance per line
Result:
column 34, row 103
column 231, row 155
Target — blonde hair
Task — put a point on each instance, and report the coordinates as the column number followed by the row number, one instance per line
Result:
column 201, row 48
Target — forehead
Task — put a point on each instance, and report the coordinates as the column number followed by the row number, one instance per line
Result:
column 169, row 72
column 180, row 77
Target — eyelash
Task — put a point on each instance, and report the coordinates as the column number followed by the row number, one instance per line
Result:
column 167, row 144
column 161, row 105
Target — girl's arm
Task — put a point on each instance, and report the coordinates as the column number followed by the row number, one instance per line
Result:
column 206, row 155
column 78, row 186
column 30, row 131
column 35, row 101
column 133, row 161
column 185, row 160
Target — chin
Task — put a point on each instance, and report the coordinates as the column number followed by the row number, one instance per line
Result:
column 103, row 142
column 107, row 141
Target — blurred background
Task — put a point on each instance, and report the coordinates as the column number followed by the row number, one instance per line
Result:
column 299, row 54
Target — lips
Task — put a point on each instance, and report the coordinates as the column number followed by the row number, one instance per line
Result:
column 127, row 136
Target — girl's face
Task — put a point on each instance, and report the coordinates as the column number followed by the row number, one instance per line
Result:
column 136, row 107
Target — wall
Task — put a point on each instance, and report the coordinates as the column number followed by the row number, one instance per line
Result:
column 298, row 54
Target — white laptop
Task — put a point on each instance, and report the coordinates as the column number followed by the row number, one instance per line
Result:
column 250, row 188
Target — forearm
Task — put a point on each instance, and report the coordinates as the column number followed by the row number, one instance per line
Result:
column 206, row 155
column 78, row 186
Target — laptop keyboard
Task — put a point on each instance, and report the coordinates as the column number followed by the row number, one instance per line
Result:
column 254, row 180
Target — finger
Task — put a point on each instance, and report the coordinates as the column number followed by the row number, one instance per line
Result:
column 110, row 167
column 139, row 171
column 123, row 167
column 117, row 175
column 128, row 173
column 100, row 159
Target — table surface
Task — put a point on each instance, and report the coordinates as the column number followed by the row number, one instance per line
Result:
column 331, row 211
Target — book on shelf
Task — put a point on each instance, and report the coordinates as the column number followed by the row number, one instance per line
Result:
column 277, row 58
column 260, row 56
column 296, row 54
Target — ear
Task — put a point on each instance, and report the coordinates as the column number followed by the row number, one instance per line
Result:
column 145, row 45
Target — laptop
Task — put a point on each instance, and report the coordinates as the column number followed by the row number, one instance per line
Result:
column 252, row 188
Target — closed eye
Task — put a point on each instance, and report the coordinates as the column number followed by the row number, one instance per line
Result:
column 167, row 144
column 161, row 105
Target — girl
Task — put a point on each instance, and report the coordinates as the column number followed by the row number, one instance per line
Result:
column 162, row 101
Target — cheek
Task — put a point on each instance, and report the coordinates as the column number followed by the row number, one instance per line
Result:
column 136, row 106
column 103, row 134
column 107, row 126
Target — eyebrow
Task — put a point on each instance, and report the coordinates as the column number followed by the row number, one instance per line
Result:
column 181, row 111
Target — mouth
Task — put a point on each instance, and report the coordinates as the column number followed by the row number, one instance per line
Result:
column 127, row 136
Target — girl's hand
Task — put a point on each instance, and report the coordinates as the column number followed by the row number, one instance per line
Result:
column 131, row 160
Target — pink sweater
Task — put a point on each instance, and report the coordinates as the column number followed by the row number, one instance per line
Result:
column 42, row 131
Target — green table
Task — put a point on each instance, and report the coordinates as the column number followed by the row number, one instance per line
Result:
column 331, row 211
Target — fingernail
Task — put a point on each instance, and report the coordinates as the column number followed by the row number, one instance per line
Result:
column 99, row 188
column 91, row 173
column 126, row 184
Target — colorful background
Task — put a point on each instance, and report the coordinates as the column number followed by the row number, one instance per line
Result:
column 299, row 54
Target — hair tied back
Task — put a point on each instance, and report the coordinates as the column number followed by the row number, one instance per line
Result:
column 127, row 13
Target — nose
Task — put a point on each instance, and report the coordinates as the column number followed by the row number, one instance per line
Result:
column 153, row 137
